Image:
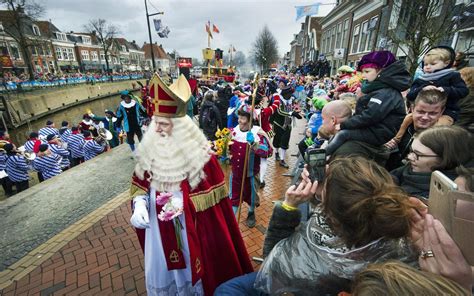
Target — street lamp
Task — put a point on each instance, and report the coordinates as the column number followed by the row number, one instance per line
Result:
column 149, row 34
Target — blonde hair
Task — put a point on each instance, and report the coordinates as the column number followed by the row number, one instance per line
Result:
column 467, row 75
column 396, row 278
column 437, row 54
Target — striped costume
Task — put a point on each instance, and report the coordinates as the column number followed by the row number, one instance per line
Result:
column 17, row 168
column 64, row 134
column 48, row 165
column 91, row 149
column 45, row 131
column 56, row 149
column 76, row 145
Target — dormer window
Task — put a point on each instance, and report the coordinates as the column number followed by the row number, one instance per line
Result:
column 86, row 40
column 1, row 28
column 61, row 36
column 124, row 48
column 36, row 30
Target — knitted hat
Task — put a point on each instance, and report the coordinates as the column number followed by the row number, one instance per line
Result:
column 319, row 103
column 51, row 137
column 376, row 59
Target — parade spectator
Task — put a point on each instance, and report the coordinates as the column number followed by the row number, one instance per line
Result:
column 234, row 104
column 314, row 123
column 466, row 104
column 76, row 146
column 381, row 110
column 209, row 116
column 47, row 163
column 245, row 134
column 439, row 74
column 48, row 129
column 16, row 168
column 57, row 147
column 222, row 102
column 396, row 278
column 91, row 147
column 426, row 110
column 431, row 150
column 357, row 223
column 129, row 113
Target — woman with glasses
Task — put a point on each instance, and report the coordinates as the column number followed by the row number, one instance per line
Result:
column 440, row 148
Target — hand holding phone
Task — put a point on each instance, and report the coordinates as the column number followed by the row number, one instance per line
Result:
column 316, row 160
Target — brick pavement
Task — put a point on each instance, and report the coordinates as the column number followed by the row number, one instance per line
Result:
column 100, row 254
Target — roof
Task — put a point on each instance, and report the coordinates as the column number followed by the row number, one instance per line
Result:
column 158, row 51
column 47, row 28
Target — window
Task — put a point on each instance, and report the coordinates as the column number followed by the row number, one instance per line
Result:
column 70, row 54
column 40, row 50
column 61, row 36
column 94, row 56
column 333, row 38
column 64, row 52
column 363, row 36
column 371, row 36
column 355, row 38
column 1, row 27
column 59, row 55
column 345, row 34
column 36, row 30
column 86, row 40
column 15, row 53
column 3, row 49
column 339, row 35
column 124, row 48
column 85, row 55
column 102, row 56
column 33, row 50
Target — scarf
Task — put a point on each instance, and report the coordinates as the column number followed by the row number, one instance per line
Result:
column 368, row 87
column 435, row 75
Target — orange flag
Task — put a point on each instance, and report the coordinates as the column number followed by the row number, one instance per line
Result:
column 215, row 29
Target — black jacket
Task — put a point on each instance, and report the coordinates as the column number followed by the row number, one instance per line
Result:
column 453, row 85
column 382, row 111
column 209, row 125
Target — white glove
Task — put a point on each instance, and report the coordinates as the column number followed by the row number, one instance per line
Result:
column 140, row 218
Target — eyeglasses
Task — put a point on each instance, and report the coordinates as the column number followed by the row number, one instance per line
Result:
column 418, row 155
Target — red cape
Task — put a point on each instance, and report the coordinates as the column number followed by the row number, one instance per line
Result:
column 223, row 251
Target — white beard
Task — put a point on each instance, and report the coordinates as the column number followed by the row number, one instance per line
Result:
column 171, row 159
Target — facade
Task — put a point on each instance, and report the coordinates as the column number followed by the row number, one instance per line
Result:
column 128, row 55
column 295, row 50
column 162, row 59
column 312, row 30
column 87, row 50
column 37, row 50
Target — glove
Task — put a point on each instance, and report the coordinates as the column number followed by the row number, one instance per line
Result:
column 250, row 138
column 140, row 218
column 296, row 114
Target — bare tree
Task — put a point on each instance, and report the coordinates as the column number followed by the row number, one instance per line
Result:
column 21, row 16
column 265, row 49
column 105, row 33
column 420, row 25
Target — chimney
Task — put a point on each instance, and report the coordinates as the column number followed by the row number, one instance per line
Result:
column 133, row 41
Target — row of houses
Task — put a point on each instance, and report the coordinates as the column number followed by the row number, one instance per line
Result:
column 51, row 50
column 355, row 27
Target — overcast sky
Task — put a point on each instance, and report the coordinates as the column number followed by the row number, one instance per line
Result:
column 239, row 21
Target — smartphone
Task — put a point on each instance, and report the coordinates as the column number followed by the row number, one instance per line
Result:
column 316, row 160
column 439, row 206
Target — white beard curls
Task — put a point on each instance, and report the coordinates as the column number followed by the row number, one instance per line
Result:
column 170, row 159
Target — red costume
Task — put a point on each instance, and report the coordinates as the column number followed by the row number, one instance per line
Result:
column 217, row 250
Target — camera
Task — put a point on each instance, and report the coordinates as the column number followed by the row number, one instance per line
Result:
column 316, row 160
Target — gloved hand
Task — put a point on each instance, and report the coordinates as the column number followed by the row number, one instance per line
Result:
column 296, row 114
column 250, row 138
column 140, row 218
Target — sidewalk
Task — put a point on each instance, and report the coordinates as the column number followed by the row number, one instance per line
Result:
column 100, row 254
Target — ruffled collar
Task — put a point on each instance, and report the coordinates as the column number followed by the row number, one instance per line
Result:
column 128, row 105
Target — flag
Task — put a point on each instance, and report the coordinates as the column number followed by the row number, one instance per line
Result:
column 307, row 10
column 215, row 29
column 157, row 23
column 208, row 28
column 164, row 33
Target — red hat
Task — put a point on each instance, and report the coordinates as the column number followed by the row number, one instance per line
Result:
column 169, row 101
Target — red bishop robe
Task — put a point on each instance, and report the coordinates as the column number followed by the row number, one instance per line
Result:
column 222, row 249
